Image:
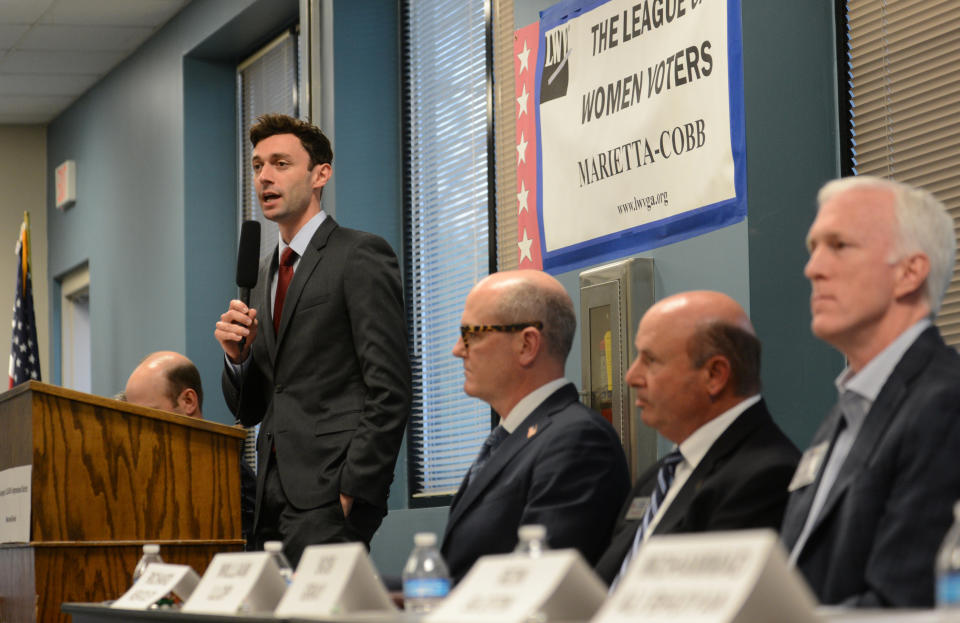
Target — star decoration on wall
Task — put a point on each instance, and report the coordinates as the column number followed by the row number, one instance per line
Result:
column 522, row 150
column 524, row 246
column 522, row 100
column 524, row 56
column 522, row 198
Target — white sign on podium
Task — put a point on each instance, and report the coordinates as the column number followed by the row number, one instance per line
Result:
column 238, row 583
column 158, row 581
column 715, row 577
column 15, row 504
column 334, row 580
column 556, row 586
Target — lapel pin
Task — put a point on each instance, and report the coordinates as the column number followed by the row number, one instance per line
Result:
column 531, row 431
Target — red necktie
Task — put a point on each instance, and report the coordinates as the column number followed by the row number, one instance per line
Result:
column 284, row 275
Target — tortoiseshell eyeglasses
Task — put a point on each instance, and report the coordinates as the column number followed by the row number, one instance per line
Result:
column 468, row 330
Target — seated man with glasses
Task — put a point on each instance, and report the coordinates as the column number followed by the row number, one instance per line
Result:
column 551, row 460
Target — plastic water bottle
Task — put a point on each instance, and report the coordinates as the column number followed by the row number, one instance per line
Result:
column 533, row 540
column 948, row 566
column 426, row 579
column 151, row 554
column 275, row 548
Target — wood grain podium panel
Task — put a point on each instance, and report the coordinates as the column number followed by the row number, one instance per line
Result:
column 108, row 477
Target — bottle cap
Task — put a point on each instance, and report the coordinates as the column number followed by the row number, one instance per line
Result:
column 273, row 546
column 151, row 548
column 424, row 539
column 532, row 532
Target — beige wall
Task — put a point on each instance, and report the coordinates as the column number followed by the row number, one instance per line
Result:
column 23, row 163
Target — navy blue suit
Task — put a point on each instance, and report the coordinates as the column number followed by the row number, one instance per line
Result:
column 877, row 535
column 563, row 467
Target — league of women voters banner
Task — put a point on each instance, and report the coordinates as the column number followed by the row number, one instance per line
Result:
column 640, row 126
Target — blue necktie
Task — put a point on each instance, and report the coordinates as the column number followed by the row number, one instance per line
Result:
column 668, row 466
column 497, row 435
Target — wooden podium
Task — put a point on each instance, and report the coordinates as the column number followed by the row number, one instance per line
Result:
column 106, row 478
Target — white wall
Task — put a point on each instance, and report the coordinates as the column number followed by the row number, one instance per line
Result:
column 23, row 161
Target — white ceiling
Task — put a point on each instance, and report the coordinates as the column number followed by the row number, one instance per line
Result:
column 52, row 51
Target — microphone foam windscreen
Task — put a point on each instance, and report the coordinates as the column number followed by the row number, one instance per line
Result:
column 248, row 256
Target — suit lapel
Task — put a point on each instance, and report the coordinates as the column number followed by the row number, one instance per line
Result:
column 800, row 501
column 308, row 263
column 879, row 418
column 529, row 429
column 268, row 267
column 726, row 443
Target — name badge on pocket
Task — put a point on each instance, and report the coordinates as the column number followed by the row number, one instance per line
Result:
column 809, row 466
column 637, row 508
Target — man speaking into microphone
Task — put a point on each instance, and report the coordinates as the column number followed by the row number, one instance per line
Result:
column 319, row 357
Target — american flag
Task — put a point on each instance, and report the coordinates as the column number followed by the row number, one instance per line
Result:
column 24, row 354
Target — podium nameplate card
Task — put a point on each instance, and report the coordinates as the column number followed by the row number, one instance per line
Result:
column 717, row 577
column 334, row 580
column 158, row 581
column 15, row 504
column 508, row 588
column 241, row 583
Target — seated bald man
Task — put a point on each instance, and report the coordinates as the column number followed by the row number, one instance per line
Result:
column 169, row 381
column 697, row 382
column 551, row 460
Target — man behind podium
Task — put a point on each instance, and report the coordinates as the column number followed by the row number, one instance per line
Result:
column 697, row 382
column 551, row 460
column 169, row 381
column 872, row 498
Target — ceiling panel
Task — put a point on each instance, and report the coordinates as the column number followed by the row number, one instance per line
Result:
column 65, row 62
column 33, row 106
column 91, row 38
column 9, row 34
column 23, row 11
column 112, row 12
column 49, row 84
column 53, row 51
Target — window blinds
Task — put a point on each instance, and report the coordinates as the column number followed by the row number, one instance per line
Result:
column 905, row 104
column 446, row 228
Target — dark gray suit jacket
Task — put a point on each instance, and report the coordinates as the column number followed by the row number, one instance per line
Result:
column 876, row 538
column 332, row 387
column 563, row 467
column 740, row 483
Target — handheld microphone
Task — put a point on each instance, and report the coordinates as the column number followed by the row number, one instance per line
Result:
column 248, row 260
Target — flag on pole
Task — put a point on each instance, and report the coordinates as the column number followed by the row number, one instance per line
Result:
column 24, row 353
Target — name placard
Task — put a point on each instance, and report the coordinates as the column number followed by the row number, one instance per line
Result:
column 559, row 585
column 157, row 581
column 15, row 504
column 333, row 580
column 238, row 583
column 717, row 577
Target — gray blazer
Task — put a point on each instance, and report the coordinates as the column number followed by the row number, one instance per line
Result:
column 332, row 386
column 875, row 541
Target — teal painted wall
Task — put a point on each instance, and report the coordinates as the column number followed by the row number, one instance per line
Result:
column 790, row 98
column 367, row 156
column 130, row 220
